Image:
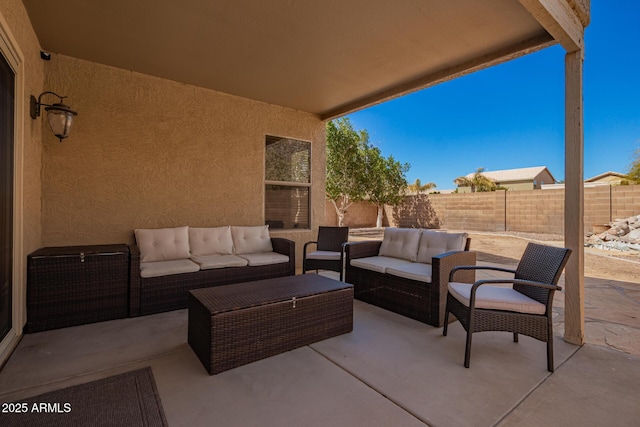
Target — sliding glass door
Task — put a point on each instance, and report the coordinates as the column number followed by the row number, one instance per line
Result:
column 7, row 105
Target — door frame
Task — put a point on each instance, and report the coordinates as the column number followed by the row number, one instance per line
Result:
column 11, row 52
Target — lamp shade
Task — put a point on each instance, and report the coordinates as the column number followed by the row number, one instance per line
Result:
column 60, row 119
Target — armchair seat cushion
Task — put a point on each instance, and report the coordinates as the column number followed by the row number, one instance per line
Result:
column 496, row 298
column 264, row 258
column 166, row 268
column 324, row 255
column 219, row 261
column 379, row 263
column 413, row 271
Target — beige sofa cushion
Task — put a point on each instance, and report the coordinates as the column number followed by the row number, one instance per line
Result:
column 401, row 243
column 434, row 243
column 264, row 258
column 379, row 264
column 209, row 262
column 210, row 241
column 163, row 244
column 413, row 271
column 496, row 298
column 248, row 240
column 166, row 268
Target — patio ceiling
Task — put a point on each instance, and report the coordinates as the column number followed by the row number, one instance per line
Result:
column 324, row 57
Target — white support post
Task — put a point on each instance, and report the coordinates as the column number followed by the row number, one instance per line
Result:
column 574, row 199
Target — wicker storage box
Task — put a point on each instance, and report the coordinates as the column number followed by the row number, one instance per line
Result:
column 74, row 285
column 233, row 325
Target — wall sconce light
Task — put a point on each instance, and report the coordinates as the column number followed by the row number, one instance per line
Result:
column 60, row 116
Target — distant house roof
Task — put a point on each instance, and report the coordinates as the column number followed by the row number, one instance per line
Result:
column 510, row 175
column 604, row 176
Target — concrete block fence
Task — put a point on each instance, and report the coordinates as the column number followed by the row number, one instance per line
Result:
column 532, row 211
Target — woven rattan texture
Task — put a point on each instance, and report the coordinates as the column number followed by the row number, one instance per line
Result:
column 539, row 263
column 329, row 239
column 332, row 238
column 421, row 301
column 252, row 294
column 256, row 320
column 76, row 285
column 166, row 293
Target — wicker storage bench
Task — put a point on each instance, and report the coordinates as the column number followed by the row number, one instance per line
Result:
column 230, row 326
column 73, row 285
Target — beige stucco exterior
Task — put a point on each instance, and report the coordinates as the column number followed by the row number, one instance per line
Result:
column 147, row 152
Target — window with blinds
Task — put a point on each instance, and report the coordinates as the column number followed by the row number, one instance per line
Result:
column 287, row 183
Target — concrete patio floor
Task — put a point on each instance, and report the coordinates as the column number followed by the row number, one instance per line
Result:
column 390, row 371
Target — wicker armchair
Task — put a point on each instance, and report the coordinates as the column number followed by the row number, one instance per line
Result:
column 525, row 308
column 329, row 253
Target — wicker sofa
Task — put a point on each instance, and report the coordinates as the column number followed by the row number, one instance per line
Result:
column 408, row 271
column 167, row 263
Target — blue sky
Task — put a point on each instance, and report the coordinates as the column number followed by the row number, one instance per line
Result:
column 512, row 115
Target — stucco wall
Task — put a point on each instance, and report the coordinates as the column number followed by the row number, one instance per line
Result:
column 147, row 152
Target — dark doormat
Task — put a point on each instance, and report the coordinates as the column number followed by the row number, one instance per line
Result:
column 129, row 399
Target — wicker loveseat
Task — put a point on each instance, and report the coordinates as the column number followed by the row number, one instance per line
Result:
column 166, row 263
column 408, row 271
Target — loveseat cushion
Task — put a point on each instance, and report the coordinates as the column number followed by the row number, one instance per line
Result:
column 163, row 244
column 434, row 243
column 496, row 298
column 166, row 268
column 210, row 241
column 401, row 243
column 413, row 271
column 264, row 258
column 250, row 240
column 379, row 264
column 209, row 262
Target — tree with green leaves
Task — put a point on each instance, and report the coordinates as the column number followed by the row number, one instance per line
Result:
column 634, row 170
column 346, row 150
column 385, row 181
column 357, row 171
column 418, row 187
column 478, row 182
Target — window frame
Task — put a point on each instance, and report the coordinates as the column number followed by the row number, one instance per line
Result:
column 291, row 184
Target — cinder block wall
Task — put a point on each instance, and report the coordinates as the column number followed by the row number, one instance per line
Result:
column 625, row 201
column 470, row 211
column 597, row 206
column 533, row 211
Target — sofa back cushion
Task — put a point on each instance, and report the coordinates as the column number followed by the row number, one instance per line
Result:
column 250, row 240
column 163, row 244
column 434, row 243
column 401, row 243
column 210, row 241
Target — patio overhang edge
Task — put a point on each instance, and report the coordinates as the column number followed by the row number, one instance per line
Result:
column 494, row 58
